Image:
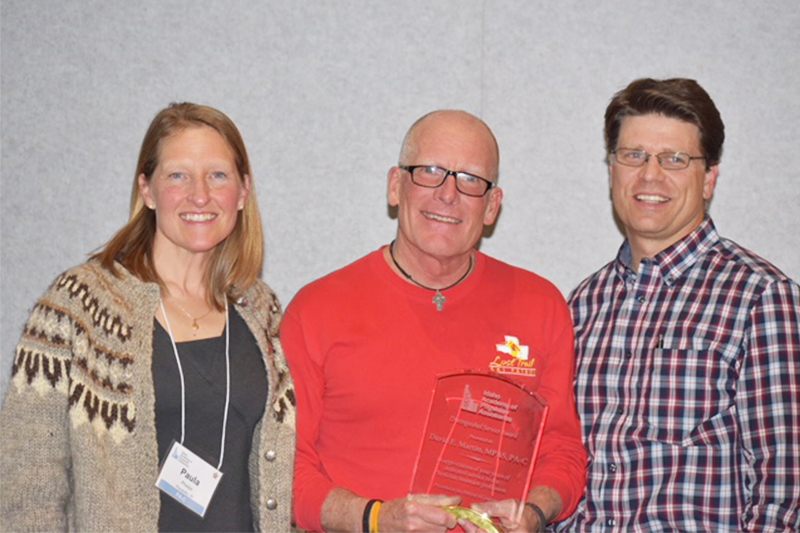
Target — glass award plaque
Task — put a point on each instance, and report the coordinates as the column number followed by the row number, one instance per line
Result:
column 481, row 438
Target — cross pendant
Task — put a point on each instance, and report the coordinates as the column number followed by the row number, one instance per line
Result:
column 439, row 300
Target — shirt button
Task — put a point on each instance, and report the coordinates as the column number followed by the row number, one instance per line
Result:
column 620, row 410
column 272, row 504
column 640, row 299
column 271, row 455
column 611, row 522
column 612, row 467
column 628, row 354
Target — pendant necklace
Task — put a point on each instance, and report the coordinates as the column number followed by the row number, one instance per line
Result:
column 439, row 299
column 195, row 325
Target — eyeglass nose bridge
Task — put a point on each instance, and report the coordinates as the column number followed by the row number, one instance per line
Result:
column 447, row 174
column 648, row 157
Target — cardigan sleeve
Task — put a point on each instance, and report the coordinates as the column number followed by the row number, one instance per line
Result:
column 34, row 449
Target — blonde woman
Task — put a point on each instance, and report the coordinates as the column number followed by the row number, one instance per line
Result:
column 158, row 361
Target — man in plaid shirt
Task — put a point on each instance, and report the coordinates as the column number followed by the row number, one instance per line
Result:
column 688, row 345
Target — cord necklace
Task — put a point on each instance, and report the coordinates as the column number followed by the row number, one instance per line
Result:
column 439, row 299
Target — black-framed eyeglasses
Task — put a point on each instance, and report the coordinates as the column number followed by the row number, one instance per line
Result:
column 667, row 160
column 431, row 176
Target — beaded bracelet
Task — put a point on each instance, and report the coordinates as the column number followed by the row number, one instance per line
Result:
column 369, row 521
column 538, row 510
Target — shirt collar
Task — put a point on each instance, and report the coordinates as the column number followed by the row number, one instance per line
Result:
column 672, row 262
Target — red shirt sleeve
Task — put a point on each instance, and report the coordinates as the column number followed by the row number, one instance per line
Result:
column 561, row 463
column 311, row 484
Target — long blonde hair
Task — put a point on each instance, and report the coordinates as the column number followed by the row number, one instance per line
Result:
column 237, row 261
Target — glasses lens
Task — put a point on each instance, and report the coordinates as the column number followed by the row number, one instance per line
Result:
column 428, row 176
column 674, row 160
column 471, row 185
column 631, row 158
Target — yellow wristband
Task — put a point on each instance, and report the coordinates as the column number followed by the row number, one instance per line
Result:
column 373, row 516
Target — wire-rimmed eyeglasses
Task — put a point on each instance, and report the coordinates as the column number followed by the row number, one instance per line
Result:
column 667, row 160
column 431, row 176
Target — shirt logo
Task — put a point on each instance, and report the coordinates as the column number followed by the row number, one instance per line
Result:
column 513, row 358
column 513, row 348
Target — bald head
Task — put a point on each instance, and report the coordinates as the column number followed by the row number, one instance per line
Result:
column 457, row 128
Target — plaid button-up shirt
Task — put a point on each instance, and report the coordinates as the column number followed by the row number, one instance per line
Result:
column 688, row 388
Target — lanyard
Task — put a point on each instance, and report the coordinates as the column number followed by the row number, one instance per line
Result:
column 183, row 385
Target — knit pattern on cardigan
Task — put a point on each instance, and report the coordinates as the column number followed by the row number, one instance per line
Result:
column 57, row 353
column 56, row 346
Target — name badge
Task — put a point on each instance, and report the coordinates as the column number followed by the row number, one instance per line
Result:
column 188, row 478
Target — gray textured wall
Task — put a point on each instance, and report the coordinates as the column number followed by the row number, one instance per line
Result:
column 324, row 90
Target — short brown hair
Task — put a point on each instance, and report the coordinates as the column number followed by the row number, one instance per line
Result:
column 237, row 261
column 679, row 98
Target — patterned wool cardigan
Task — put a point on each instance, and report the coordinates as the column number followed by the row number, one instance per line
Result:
column 78, row 446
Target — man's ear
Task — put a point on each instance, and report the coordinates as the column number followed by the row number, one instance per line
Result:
column 393, row 186
column 710, row 182
column 493, row 206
